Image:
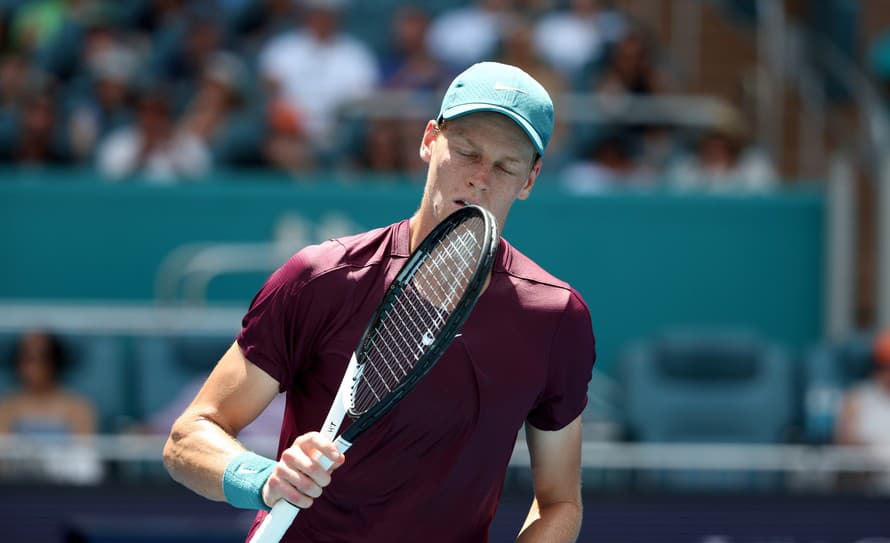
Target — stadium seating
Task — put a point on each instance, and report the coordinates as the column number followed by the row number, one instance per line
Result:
column 707, row 387
column 165, row 365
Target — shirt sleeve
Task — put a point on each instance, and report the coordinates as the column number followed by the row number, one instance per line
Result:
column 572, row 355
column 272, row 332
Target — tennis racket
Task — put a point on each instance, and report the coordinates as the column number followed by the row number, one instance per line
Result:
column 422, row 310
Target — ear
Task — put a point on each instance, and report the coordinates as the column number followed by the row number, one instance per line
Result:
column 430, row 134
column 526, row 189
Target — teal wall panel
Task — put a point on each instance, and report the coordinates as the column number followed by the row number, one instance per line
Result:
column 643, row 262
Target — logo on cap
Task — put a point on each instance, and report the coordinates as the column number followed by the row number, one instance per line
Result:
column 502, row 87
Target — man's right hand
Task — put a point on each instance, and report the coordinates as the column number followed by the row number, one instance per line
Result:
column 299, row 478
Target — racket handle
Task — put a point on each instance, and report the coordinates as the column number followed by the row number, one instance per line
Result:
column 283, row 513
column 276, row 523
column 342, row 446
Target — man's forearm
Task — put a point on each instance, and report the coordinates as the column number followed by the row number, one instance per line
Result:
column 197, row 453
column 554, row 523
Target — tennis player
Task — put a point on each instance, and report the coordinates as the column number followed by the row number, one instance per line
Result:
column 432, row 470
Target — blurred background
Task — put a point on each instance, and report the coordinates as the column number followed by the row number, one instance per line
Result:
column 718, row 190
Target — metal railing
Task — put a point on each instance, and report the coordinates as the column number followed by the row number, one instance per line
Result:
column 808, row 468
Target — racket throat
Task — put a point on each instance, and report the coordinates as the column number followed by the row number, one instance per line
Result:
column 341, row 402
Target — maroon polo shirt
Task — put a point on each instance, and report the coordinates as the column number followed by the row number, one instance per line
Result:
column 432, row 469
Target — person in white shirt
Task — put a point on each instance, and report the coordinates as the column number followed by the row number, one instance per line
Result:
column 571, row 39
column 465, row 35
column 318, row 68
column 722, row 161
column 865, row 413
column 153, row 147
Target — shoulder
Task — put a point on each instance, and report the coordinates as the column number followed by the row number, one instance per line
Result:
column 125, row 136
column 866, row 390
column 537, row 288
column 455, row 15
column 351, row 44
column 281, row 47
column 285, row 40
column 11, row 402
column 555, row 19
column 521, row 268
column 75, row 402
column 357, row 251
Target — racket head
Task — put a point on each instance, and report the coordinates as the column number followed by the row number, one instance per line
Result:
column 422, row 310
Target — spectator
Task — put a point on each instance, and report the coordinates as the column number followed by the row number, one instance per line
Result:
column 657, row 144
column 35, row 24
column 516, row 49
column 221, row 115
column 462, row 36
column 628, row 67
column 865, row 413
column 722, row 160
column 572, row 39
column 256, row 22
column 318, row 69
column 606, row 164
column 879, row 63
column 14, row 75
column 88, row 28
column 107, row 105
column 532, row 10
column 42, row 409
column 152, row 19
column 42, row 405
column 286, row 146
column 181, row 52
column 384, row 149
column 410, row 64
column 14, row 86
column 35, row 138
column 388, row 145
column 152, row 147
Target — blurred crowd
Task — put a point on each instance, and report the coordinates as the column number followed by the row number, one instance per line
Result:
column 169, row 90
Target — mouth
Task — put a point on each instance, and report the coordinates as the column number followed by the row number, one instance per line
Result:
column 464, row 203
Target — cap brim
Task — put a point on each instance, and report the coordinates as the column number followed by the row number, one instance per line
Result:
column 466, row 109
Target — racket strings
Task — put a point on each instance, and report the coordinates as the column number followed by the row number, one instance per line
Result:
column 418, row 314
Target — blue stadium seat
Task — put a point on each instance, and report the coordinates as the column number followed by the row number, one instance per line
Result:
column 97, row 369
column 164, row 366
column 708, row 387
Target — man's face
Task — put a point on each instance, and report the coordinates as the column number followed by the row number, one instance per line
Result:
column 481, row 158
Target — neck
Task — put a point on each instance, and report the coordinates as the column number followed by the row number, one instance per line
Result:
column 418, row 230
column 42, row 391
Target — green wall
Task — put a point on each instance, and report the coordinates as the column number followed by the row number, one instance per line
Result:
column 642, row 261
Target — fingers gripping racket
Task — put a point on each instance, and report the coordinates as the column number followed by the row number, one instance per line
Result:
column 422, row 310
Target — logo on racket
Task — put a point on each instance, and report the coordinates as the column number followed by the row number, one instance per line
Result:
column 427, row 339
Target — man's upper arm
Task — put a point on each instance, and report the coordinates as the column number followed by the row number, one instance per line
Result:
column 235, row 393
column 556, row 463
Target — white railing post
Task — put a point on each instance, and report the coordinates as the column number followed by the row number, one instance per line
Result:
column 840, row 249
column 771, row 30
column 883, row 260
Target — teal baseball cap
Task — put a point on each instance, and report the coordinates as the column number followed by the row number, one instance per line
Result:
column 504, row 89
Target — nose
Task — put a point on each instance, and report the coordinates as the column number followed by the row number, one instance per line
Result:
column 480, row 177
